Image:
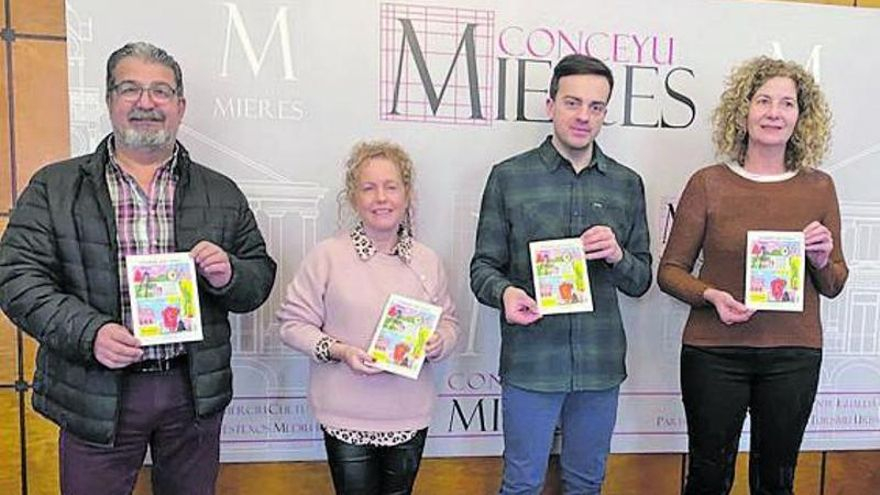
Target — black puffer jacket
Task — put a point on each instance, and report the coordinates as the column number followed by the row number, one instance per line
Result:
column 59, row 282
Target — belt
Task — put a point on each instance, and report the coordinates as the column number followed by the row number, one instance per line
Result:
column 158, row 365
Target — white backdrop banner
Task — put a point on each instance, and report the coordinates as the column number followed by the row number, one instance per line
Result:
column 279, row 90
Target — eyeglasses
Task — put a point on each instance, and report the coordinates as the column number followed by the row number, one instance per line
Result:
column 131, row 92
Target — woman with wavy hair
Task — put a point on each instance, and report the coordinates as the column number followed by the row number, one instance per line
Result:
column 375, row 423
column 772, row 128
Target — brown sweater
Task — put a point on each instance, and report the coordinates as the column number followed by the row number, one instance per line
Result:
column 716, row 210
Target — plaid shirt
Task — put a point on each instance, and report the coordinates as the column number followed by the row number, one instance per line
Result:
column 536, row 196
column 144, row 225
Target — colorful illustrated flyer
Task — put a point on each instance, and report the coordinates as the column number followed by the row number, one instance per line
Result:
column 164, row 298
column 775, row 271
column 559, row 271
column 406, row 325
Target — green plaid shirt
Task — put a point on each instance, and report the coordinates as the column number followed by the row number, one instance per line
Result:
column 537, row 196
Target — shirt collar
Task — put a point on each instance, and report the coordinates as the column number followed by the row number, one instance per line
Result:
column 171, row 163
column 365, row 248
column 553, row 159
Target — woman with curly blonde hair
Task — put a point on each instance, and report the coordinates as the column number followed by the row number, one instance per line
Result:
column 772, row 129
column 375, row 423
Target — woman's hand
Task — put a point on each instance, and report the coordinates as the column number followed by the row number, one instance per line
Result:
column 357, row 359
column 434, row 347
column 818, row 244
column 729, row 310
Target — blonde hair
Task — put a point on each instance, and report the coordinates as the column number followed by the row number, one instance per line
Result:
column 812, row 133
column 360, row 154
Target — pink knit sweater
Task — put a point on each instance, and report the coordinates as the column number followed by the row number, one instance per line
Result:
column 336, row 293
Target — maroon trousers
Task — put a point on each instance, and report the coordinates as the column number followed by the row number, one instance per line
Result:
column 157, row 410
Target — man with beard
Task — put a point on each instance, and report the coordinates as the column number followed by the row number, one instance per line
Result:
column 63, row 281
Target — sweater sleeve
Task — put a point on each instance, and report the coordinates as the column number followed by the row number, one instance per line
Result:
column 829, row 280
column 448, row 325
column 302, row 313
column 684, row 244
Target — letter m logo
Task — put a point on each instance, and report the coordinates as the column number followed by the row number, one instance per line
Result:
column 436, row 64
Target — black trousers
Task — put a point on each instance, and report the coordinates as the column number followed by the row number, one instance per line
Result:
column 369, row 470
column 776, row 386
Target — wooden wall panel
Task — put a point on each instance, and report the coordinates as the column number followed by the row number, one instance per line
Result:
column 29, row 356
column 8, row 347
column 10, row 445
column 5, row 158
column 869, row 3
column 41, row 107
column 42, row 452
column 8, row 354
column 38, row 17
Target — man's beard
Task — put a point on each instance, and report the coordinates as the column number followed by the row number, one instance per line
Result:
column 149, row 140
column 144, row 139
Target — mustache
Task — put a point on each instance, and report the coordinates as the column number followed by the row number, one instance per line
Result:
column 141, row 114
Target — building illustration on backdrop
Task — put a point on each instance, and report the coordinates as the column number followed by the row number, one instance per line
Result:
column 288, row 213
column 852, row 319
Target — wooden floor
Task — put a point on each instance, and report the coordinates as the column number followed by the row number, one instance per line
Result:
column 847, row 473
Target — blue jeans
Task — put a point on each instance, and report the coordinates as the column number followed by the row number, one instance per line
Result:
column 587, row 419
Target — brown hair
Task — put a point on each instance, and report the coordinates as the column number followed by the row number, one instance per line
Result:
column 810, row 140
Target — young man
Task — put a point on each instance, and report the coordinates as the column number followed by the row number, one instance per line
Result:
column 562, row 368
column 63, row 281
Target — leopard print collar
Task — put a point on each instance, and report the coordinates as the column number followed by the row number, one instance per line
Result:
column 365, row 248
